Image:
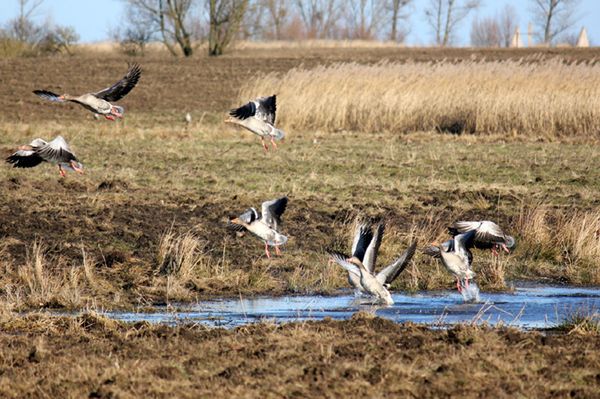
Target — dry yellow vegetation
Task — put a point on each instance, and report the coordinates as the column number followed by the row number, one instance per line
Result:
column 519, row 97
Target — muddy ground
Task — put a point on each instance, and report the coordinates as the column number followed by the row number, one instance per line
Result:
column 93, row 357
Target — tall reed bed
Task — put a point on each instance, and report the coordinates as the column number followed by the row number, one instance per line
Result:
column 549, row 99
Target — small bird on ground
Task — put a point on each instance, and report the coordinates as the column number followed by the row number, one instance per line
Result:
column 100, row 102
column 258, row 116
column 265, row 225
column 56, row 152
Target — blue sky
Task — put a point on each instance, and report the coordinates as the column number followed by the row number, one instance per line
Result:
column 93, row 19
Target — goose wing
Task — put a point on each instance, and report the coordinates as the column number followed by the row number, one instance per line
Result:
column 48, row 95
column 373, row 249
column 267, row 108
column 123, row 86
column 340, row 259
column 487, row 232
column 391, row 272
column 24, row 159
column 362, row 237
column 262, row 108
column 56, row 151
column 272, row 211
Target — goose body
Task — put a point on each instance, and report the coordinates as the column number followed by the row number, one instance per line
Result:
column 101, row 102
column 365, row 249
column 368, row 282
column 258, row 116
column 56, row 152
column 265, row 225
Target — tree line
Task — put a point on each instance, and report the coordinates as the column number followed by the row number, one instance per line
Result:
column 181, row 25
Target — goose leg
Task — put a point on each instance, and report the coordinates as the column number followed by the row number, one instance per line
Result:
column 494, row 251
column 273, row 142
column 61, row 171
column 267, row 250
column 110, row 117
column 277, row 251
column 458, row 286
column 467, row 283
column 262, row 139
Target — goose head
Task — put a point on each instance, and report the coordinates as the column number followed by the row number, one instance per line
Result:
column 73, row 165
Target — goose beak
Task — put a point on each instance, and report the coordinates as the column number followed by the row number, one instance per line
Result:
column 505, row 248
column 76, row 168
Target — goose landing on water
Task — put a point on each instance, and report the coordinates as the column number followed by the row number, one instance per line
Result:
column 365, row 248
column 258, row 116
column 100, row 102
column 57, row 152
column 264, row 225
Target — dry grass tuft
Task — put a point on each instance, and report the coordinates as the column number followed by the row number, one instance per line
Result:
column 179, row 255
column 550, row 99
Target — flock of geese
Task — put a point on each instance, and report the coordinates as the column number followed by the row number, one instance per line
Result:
column 258, row 116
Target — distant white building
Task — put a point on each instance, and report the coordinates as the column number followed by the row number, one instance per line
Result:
column 582, row 40
column 516, row 41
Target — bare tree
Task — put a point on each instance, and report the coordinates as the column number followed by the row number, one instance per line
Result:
column 486, row 33
column 319, row 17
column 278, row 12
column 363, row 18
column 225, row 19
column 508, row 21
column 22, row 28
column 444, row 16
column 395, row 9
column 170, row 19
column 553, row 17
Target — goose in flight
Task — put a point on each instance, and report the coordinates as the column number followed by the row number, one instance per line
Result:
column 100, row 102
column 488, row 235
column 365, row 248
column 56, row 151
column 258, row 116
column 265, row 225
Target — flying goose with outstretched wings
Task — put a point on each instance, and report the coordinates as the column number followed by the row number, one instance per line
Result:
column 265, row 225
column 56, row 152
column 100, row 102
column 258, row 116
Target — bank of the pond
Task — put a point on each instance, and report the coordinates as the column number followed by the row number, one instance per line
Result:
column 93, row 356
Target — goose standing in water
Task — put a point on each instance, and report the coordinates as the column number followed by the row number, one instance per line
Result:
column 458, row 260
column 365, row 248
column 100, row 102
column 56, row 151
column 258, row 116
column 265, row 225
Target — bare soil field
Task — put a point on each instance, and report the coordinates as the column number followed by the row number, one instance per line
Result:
column 95, row 239
column 203, row 85
column 90, row 356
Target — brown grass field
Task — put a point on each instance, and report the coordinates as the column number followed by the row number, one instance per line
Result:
column 156, row 188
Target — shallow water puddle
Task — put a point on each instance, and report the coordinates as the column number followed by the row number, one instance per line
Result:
column 529, row 306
